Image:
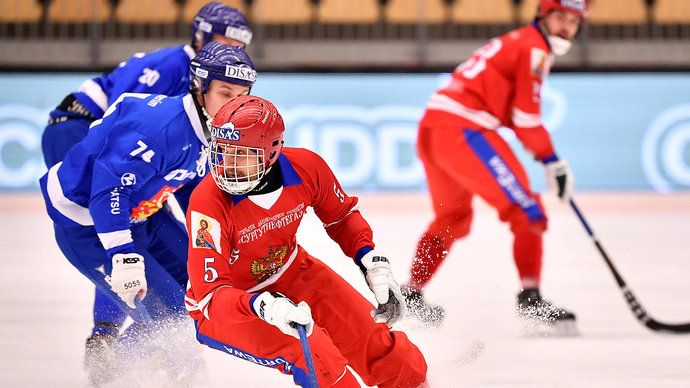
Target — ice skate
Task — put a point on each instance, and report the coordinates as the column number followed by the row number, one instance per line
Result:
column 418, row 308
column 99, row 358
column 531, row 307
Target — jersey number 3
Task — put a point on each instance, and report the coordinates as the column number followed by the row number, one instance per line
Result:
column 477, row 62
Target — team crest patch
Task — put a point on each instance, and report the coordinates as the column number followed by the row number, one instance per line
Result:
column 540, row 63
column 205, row 232
column 266, row 266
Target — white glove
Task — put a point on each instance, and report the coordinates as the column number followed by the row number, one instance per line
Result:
column 279, row 311
column 128, row 279
column 377, row 271
column 559, row 178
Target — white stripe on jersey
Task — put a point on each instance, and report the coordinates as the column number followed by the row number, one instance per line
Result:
column 69, row 209
column 202, row 305
column 526, row 120
column 354, row 209
column 189, row 51
column 95, row 93
column 444, row 103
column 115, row 239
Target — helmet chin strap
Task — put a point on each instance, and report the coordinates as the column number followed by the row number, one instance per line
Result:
column 559, row 46
column 203, row 115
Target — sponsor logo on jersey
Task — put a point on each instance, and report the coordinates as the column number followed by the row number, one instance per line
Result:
column 180, row 175
column 257, row 230
column 115, row 201
column 156, row 100
column 240, row 72
column 578, row 5
column 226, row 132
column 266, row 266
column 128, row 179
column 147, row 207
column 205, row 233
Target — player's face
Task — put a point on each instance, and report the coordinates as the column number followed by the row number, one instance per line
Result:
column 219, row 93
column 226, row 41
column 563, row 24
column 241, row 162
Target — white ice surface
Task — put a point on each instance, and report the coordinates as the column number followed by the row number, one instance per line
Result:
column 46, row 303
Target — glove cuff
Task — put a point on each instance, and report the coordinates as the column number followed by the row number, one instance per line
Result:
column 360, row 254
column 128, row 259
column 549, row 159
column 373, row 259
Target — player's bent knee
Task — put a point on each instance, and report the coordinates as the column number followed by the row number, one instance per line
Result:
column 403, row 366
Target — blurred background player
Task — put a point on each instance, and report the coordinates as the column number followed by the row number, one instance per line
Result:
column 464, row 155
column 243, row 291
column 105, row 195
column 165, row 71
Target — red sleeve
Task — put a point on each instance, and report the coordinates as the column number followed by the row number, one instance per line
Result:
column 209, row 273
column 533, row 64
column 338, row 211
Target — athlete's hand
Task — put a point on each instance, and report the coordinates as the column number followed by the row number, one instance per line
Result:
column 377, row 271
column 128, row 279
column 279, row 311
column 560, row 179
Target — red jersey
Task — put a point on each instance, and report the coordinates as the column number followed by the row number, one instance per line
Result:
column 249, row 242
column 500, row 85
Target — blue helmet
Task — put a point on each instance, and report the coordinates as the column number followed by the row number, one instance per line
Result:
column 218, row 18
column 224, row 63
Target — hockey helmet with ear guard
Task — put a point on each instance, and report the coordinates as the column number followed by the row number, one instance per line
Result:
column 224, row 63
column 246, row 139
column 218, row 18
column 578, row 7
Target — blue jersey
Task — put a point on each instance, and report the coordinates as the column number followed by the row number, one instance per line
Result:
column 143, row 149
column 165, row 71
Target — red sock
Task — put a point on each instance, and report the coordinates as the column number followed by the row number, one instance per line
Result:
column 527, row 251
column 431, row 251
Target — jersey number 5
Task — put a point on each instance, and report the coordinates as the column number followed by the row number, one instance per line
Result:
column 477, row 62
column 210, row 273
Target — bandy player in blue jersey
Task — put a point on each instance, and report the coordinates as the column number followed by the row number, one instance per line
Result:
column 251, row 281
column 165, row 71
column 105, row 195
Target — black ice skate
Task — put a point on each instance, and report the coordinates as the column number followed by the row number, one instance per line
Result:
column 99, row 358
column 417, row 308
column 532, row 307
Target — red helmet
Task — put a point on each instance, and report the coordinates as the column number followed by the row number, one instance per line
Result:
column 578, row 7
column 246, row 139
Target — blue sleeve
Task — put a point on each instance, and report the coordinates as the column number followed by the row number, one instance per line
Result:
column 153, row 73
column 128, row 160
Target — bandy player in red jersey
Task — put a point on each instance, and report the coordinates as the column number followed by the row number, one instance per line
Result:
column 463, row 155
column 250, row 281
